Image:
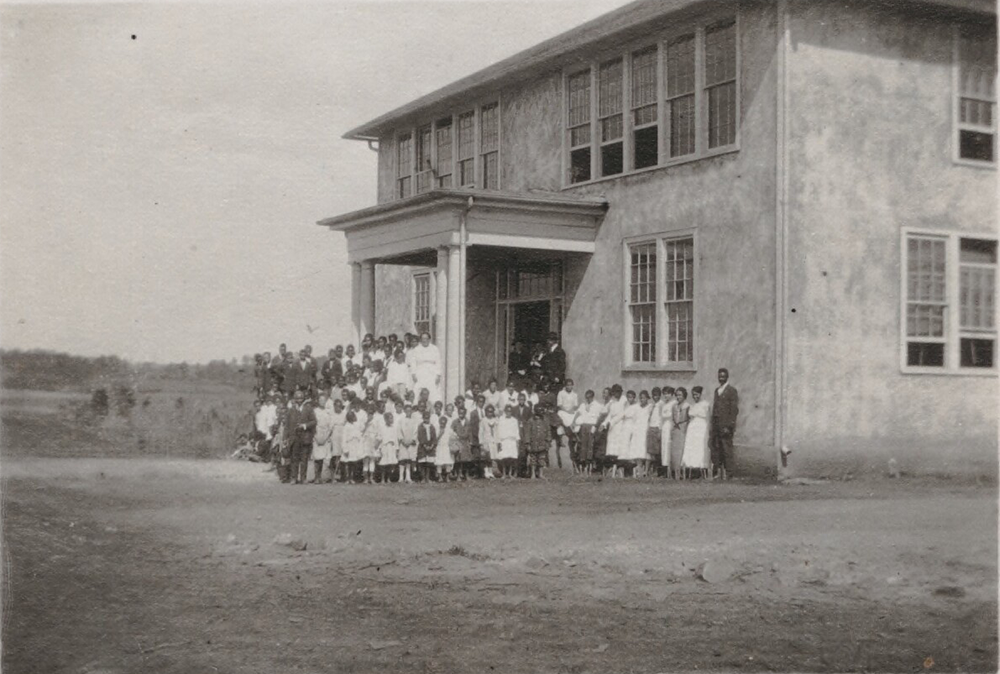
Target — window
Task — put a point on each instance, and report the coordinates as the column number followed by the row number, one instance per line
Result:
column 660, row 302
column 445, row 161
column 609, row 112
column 422, row 303
column 680, row 95
column 949, row 308
column 404, row 165
column 655, row 105
column 645, row 131
column 425, row 172
column 642, row 301
column 489, row 144
column 467, row 149
column 720, row 83
column 579, row 127
column 976, row 94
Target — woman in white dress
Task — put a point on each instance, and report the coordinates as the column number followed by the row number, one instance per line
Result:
column 696, row 440
column 640, row 432
column 353, row 449
column 425, row 367
column 322, row 438
column 667, row 414
column 442, row 453
column 618, row 437
column 508, row 435
column 339, row 417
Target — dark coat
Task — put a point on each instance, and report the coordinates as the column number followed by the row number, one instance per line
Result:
column 554, row 365
column 332, row 369
column 298, row 416
column 725, row 409
column 537, row 435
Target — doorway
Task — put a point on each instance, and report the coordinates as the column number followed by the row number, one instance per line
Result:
column 531, row 323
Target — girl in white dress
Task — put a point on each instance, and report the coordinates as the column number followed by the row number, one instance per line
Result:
column 339, row 417
column 640, row 434
column 618, row 437
column 352, row 446
column 322, row 450
column 442, row 453
column 388, row 446
column 508, row 435
column 696, row 440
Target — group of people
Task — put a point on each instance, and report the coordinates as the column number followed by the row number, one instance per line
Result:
column 376, row 415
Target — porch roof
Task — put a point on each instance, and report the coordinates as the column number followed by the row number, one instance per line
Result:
column 539, row 221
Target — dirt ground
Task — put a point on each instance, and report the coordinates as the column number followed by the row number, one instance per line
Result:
column 153, row 565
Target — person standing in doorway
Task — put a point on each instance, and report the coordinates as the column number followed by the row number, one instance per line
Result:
column 725, row 410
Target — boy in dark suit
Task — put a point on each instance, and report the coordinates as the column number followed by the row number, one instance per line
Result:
column 724, row 412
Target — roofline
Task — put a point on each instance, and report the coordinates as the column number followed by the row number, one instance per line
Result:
column 564, row 45
column 460, row 198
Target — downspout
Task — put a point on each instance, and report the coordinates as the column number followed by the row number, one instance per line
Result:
column 781, row 236
column 463, row 238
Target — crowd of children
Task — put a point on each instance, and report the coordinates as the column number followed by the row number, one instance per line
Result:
column 360, row 422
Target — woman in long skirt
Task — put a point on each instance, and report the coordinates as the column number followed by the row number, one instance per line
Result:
column 669, row 403
column 696, row 441
column 678, row 430
column 617, row 442
column 322, row 449
column 637, row 416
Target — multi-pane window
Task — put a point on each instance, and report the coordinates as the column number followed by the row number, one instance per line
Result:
column 720, row 83
column 678, row 286
column 660, row 299
column 404, row 165
column 642, row 302
column 467, row 149
column 949, row 308
column 445, row 160
column 422, row 303
column 610, row 120
column 489, row 145
column 669, row 102
column 680, row 95
column 578, row 87
column 645, row 117
column 976, row 92
column 425, row 172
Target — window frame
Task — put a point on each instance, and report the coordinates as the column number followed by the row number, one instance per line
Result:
column 625, row 52
column 477, row 155
column 660, row 364
column 957, row 125
column 953, row 331
column 431, row 276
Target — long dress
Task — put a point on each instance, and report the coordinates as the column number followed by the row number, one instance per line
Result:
column 668, row 424
column 460, row 443
column 488, row 438
column 442, row 454
column 337, row 438
column 509, row 435
column 696, row 441
column 678, row 429
column 353, row 448
column 425, row 369
column 370, row 437
column 640, row 426
column 388, row 445
column 323, row 436
column 618, row 437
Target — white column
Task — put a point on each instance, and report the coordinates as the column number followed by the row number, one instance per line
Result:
column 356, row 303
column 367, row 298
column 441, row 306
column 453, row 384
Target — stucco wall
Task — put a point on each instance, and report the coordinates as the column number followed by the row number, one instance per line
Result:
column 870, row 152
column 730, row 203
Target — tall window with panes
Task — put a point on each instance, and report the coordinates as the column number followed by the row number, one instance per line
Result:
column 404, row 165
column 680, row 95
column 645, row 131
column 489, row 145
column 976, row 92
column 610, row 121
column 720, row 83
column 424, row 167
column 678, row 282
column 422, row 314
column 950, row 303
column 642, row 302
column 578, row 86
column 445, row 160
column 467, row 149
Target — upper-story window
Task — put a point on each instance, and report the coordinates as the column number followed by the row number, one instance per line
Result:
column 681, row 96
column 975, row 94
column 461, row 150
column 404, row 165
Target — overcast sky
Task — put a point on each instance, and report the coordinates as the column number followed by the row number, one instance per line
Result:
column 158, row 193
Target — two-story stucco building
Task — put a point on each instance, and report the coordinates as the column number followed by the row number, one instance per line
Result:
column 802, row 191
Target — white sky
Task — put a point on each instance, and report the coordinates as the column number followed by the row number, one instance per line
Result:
column 158, row 195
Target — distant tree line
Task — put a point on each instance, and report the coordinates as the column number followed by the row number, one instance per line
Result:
column 52, row 371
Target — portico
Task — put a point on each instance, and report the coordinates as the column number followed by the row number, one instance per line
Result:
column 455, row 233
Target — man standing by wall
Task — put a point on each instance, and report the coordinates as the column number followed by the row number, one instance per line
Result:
column 724, row 412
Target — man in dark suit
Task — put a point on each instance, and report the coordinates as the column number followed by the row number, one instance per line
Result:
column 300, row 426
column 554, row 362
column 523, row 413
column 332, row 370
column 724, row 412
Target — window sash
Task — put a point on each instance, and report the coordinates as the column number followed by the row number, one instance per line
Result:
column 975, row 94
column 423, row 303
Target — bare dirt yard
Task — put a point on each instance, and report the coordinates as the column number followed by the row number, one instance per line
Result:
column 120, row 565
